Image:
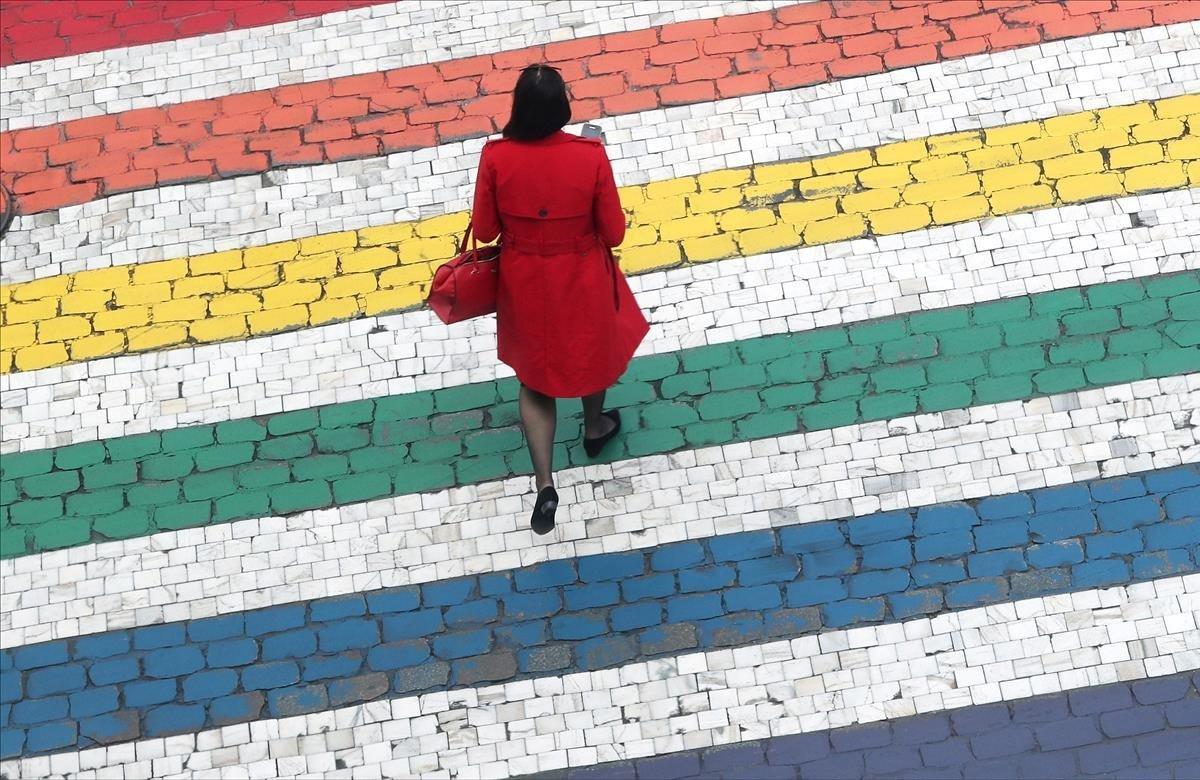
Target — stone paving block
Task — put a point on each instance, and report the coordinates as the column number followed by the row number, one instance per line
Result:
column 207, row 471
column 859, row 355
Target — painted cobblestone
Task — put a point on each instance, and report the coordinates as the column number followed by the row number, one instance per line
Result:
column 697, row 699
column 648, row 146
column 182, row 70
column 930, row 361
column 417, row 628
column 365, row 115
column 414, row 539
column 720, row 302
column 38, row 31
column 1137, row 730
column 598, row 611
column 895, row 188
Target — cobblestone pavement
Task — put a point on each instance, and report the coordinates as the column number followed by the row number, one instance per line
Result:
column 910, row 479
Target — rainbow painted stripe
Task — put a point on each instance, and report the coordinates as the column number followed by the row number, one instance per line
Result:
column 909, row 481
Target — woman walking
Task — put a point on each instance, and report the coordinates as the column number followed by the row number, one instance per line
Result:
column 567, row 322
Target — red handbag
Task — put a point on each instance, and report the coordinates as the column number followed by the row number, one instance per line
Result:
column 465, row 287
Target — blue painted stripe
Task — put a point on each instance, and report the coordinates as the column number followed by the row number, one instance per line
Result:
column 595, row 612
column 1146, row 729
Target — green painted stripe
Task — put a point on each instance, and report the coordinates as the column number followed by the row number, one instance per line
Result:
column 929, row 361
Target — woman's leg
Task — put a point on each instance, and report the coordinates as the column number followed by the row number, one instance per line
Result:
column 539, row 416
column 595, row 424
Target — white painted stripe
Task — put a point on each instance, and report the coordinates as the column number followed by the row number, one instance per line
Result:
column 782, row 292
column 1004, row 652
column 982, row 91
column 343, row 43
column 634, row 504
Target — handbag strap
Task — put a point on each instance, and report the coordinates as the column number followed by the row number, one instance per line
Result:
column 462, row 245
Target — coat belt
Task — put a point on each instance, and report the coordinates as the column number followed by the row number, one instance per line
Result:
column 567, row 246
column 537, row 246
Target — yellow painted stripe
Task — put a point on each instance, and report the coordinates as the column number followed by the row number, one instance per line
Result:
column 893, row 188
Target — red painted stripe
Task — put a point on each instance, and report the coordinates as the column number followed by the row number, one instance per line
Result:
column 376, row 113
column 41, row 29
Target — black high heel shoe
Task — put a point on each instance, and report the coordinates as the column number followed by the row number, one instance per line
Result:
column 593, row 446
column 542, row 521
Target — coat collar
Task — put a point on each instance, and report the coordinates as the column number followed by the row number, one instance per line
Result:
column 557, row 137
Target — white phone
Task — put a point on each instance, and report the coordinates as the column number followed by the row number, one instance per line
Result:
column 592, row 131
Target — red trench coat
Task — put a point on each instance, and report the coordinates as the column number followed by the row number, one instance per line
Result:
column 567, row 322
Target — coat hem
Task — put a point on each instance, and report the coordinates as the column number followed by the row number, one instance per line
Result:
column 558, row 393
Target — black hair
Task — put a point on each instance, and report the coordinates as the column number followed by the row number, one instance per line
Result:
column 540, row 105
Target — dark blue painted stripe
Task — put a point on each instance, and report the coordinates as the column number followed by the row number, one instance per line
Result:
column 595, row 612
column 1141, row 730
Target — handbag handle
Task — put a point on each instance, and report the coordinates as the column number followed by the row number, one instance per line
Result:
column 462, row 246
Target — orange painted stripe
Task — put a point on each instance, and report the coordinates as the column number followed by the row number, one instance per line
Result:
column 377, row 113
